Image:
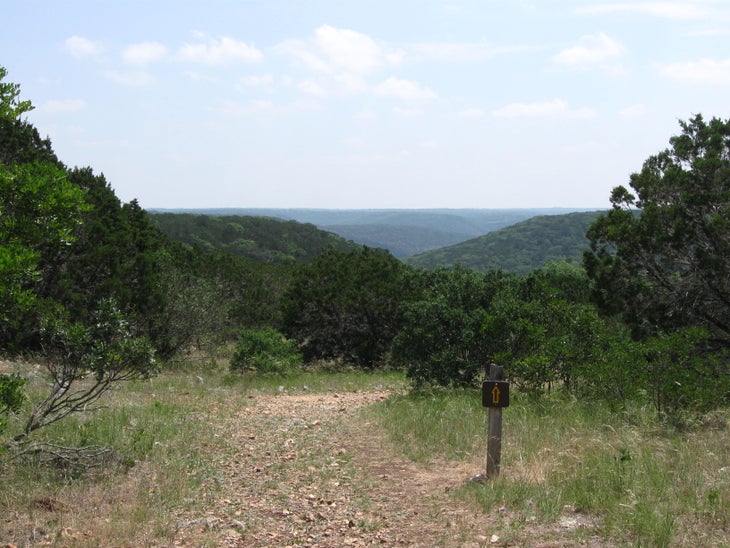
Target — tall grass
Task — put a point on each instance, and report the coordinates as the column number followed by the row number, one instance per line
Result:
column 630, row 477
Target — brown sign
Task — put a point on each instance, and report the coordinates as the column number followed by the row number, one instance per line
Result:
column 495, row 394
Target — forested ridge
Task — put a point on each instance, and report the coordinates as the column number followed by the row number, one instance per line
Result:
column 94, row 289
column 520, row 248
column 256, row 237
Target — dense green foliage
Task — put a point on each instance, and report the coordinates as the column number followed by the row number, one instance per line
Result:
column 520, row 248
column 102, row 290
column 258, row 238
column 346, row 305
column 265, row 351
column 442, row 341
column 540, row 327
column 403, row 232
column 661, row 259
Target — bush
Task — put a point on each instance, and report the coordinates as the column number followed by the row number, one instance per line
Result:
column 265, row 351
column 346, row 306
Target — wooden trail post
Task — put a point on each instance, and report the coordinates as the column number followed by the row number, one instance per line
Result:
column 495, row 396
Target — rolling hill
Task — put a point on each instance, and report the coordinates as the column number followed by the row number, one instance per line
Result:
column 403, row 232
column 258, row 238
column 519, row 248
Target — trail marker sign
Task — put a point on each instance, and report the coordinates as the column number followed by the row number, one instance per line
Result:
column 495, row 394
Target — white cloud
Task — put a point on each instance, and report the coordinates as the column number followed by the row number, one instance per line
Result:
column 311, row 87
column 63, row 105
column 265, row 107
column 131, row 79
column 669, row 10
column 456, row 52
column 704, row 71
column 593, row 50
column 404, row 89
column 348, row 50
column 717, row 31
column 345, row 56
column 557, row 108
column 79, row 46
column 432, row 145
column 633, row 111
column 212, row 51
column 366, row 115
column 472, row 113
column 144, row 53
column 264, row 80
column 233, row 108
column 408, row 112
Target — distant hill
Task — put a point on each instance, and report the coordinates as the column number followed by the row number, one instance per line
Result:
column 403, row 232
column 519, row 248
column 401, row 240
column 258, row 238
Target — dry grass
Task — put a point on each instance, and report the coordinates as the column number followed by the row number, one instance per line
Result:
column 352, row 459
column 576, row 473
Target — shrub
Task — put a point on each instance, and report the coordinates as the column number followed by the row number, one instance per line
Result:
column 265, row 351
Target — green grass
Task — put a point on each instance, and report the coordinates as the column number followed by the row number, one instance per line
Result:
column 637, row 481
column 632, row 479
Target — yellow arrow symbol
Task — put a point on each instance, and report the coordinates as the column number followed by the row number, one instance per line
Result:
column 495, row 394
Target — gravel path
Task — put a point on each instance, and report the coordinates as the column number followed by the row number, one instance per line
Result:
column 311, row 470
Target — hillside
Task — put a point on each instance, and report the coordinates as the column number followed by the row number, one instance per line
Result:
column 401, row 240
column 258, row 238
column 519, row 248
column 403, row 232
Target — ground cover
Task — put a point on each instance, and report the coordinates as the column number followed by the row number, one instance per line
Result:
column 357, row 460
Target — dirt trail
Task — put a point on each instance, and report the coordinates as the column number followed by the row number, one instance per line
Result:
column 310, row 470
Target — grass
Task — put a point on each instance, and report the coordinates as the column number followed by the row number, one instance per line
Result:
column 625, row 478
column 633, row 480
column 165, row 459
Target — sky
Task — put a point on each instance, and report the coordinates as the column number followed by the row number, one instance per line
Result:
column 366, row 104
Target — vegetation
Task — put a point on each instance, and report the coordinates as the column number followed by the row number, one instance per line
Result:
column 257, row 238
column 661, row 260
column 265, row 351
column 519, row 248
column 403, row 232
column 621, row 479
column 346, row 306
column 400, row 240
column 94, row 293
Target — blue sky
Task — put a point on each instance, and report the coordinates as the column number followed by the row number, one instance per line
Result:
column 377, row 104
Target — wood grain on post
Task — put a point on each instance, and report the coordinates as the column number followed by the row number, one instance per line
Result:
column 494, row 433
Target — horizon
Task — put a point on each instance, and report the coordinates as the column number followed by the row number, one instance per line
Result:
column 435, row 104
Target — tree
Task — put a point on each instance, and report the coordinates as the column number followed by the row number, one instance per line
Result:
column 39, row 211
column 84, row 360
column 662, row 257
column 345, row 305
column 42, row 213
column 10, row 106
column 442, row 342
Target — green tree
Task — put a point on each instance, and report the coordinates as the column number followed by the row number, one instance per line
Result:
column 441, row 341
column 10, row 104
column 265, row 351
column 83, row 361
column 345, row 305
column 43, row 211
column 661, row 256
column 39, row 211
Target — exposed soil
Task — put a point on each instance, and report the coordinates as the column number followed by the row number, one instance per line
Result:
column 313, row 470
